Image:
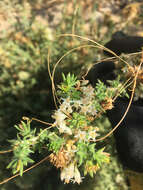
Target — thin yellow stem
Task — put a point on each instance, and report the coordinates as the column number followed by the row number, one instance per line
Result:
column 99, row 45
column 5, row 151
column 67, row 53
column 46, row 123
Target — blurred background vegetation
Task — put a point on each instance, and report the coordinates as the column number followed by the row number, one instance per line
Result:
column 29, row 30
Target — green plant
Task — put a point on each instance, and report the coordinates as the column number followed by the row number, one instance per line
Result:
column 71, row 139
column 23, row 52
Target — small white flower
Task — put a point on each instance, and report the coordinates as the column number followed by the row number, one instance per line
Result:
column 71, row 173
column 77, row 104
column 60, row 122
column 84, row 109
column 88, row 91
column 92, row 135
column 64, row 129
column 67, row 173
column 66, row 106
column 59, row 117
column 81, row 135
column 92, row 110
column 77, row 176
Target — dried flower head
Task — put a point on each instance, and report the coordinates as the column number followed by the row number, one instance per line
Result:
column 107, row 104
column 60, row 160
column 70, row 146
column 132, row 72
column 91, row 168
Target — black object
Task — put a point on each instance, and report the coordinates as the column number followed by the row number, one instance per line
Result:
column 122, row 43
column 103, row 71
column 129, row 135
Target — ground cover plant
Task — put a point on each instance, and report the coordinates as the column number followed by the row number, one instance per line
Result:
column 28, row 51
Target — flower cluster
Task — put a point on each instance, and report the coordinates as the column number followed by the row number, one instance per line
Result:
column 75, row 122
column 72, row 138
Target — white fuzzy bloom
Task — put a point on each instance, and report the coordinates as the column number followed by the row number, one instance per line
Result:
column 67, row 173
column 81, row 135
column 88, row 91
column 66, row 106
column 60, row 122
column 64, row 129
column 92, row 110
column 71, row 173
column 92, row 135
column 84, row 109
column 59, row 117
column 77, row 176
column 77, row 104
